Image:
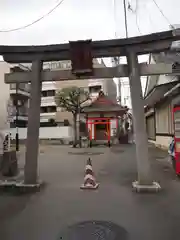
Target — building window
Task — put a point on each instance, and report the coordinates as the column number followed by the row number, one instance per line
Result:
column 43, row 109
column 150, row 126
column 51, row 109
column 48, row 93
column 95, row 89
column 51, row 93
column 43, row 94
column 48, row 109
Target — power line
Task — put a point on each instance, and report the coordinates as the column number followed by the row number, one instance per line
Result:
column 161, row 11
column 136, row 15
column 35, row 21
column 149, row 16
column 114, row 13
column 125, row 18
column 136, row 12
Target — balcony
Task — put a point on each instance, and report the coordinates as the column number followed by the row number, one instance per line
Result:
column 48, row 86
column 22, row 118
column 22, row 113
column 47, row 101
column 22, row 89
column 45, row 117
column 95, row 82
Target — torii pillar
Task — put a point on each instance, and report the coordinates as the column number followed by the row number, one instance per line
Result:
column 144, row 181
column 32, row 144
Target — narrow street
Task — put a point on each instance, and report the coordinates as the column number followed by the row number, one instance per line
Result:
column 61, row 203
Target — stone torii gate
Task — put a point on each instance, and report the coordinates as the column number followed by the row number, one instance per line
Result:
column 131, row 48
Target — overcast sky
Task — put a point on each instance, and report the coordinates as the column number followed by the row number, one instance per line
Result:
column 82, row 19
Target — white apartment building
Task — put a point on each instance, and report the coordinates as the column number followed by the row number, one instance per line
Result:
column 48, row 105
column 106, row 85
column 14, row 99
column 12, row 95
column 4, row 96
column 93, row 86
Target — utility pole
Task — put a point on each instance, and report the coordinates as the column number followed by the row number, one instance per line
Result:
column 78, row 122
column 125, row 18
column 17, row 115
column 117, row 59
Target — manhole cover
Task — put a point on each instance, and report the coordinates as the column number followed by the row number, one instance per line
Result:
column 85, row 153
column 94, row 230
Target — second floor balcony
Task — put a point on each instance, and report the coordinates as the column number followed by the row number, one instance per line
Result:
column 20, row 113
column 45, row 117
column 48, row 101
column 22, row 89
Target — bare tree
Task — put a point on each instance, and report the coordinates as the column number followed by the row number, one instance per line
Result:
column 71, row 99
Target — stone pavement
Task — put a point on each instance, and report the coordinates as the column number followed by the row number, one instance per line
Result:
column 43, row 215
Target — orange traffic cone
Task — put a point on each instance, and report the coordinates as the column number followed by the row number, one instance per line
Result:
column 89, row 179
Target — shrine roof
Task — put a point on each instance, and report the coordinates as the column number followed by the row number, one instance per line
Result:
column 103, row 103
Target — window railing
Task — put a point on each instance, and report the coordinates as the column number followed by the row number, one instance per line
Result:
column 20, row 86
column 22, row 111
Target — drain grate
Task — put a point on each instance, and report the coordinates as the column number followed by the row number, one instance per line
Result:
column 94, row 230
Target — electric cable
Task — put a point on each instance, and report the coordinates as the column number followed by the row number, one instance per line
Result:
column 149, row 16
column 136, row 15
column 162, row 13
column 35, row 21
column 114, row 15
column 136, row 12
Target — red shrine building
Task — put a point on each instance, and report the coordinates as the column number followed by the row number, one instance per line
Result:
column 103, row 117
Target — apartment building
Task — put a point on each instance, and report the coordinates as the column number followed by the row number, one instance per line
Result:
column 48, row 105
column 19, row 100
column 14, row 99
column 4, row 96
column 93, row 86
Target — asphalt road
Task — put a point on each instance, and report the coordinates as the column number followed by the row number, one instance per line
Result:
column 42, row 216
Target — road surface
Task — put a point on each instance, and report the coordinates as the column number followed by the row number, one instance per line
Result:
column 61, row 203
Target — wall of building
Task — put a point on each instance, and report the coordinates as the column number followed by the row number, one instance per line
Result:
column 163, row 130
column 163, row 79
column 152, row 81
column 151, row 126
column 4, row 95
column 162, row 141
column 125, row 93
column 48, row 104
column 111, row 89
column 44, row 133
column 163, row 116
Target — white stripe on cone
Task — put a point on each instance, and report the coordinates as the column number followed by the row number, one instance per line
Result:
column 89, row 185
column 88, row 167
column 89, row 176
